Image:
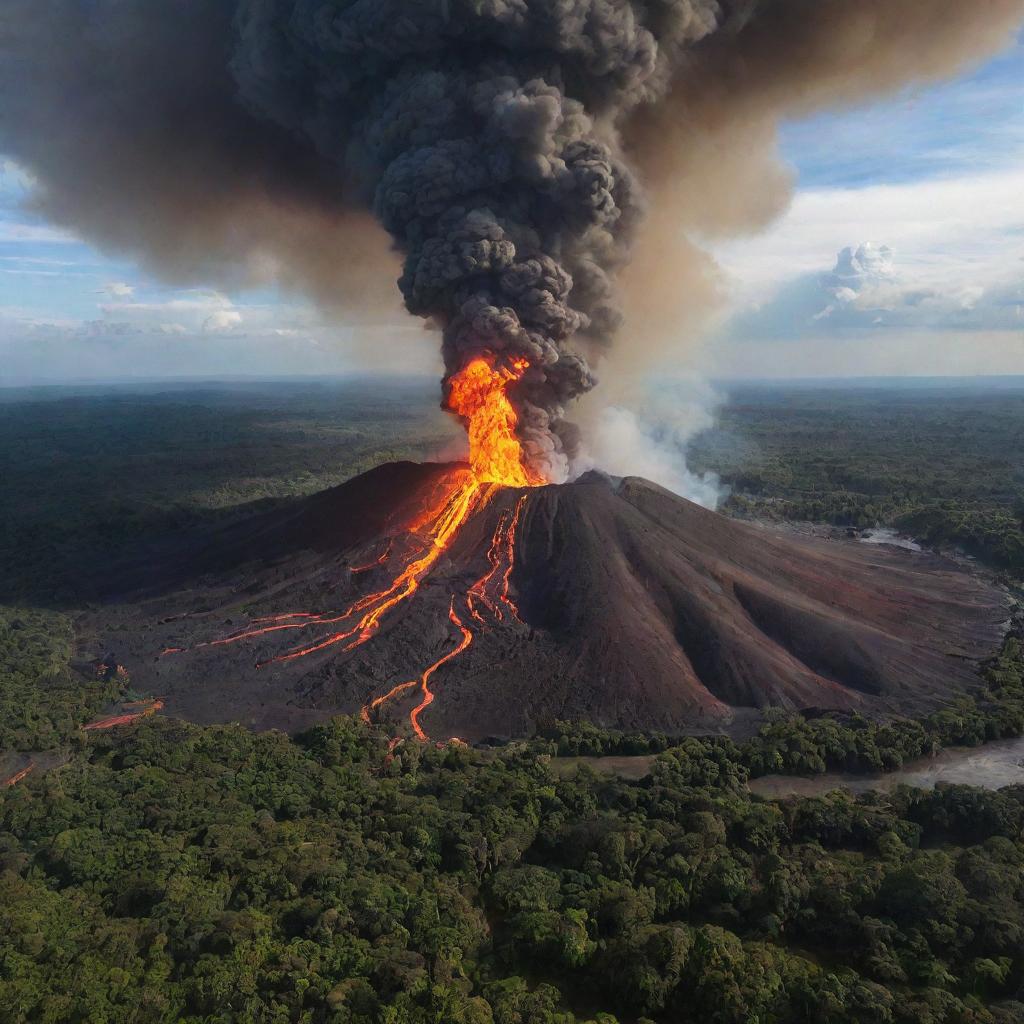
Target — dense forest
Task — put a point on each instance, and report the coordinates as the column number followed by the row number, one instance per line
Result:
column 176, row 873
column 165, row 872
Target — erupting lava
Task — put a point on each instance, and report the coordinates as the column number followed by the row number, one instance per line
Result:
column 478, row 395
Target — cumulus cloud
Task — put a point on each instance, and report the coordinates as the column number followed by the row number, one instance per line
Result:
column 941, row 229
column 865, row 281
column 868, row 290
column 868, row 264
column 222, row 320
column 198, row 310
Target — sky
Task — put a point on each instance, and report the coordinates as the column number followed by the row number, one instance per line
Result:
column 902, row 253
column 903, row 250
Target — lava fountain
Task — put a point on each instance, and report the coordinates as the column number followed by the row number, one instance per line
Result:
column 478, row 395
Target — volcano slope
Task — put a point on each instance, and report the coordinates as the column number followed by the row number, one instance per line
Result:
column 608, row 600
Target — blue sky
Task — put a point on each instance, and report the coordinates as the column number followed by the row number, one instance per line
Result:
column 902, row 252
column 962, row 127
column 903, row 249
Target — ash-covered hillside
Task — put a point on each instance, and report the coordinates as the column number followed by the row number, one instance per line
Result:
column 612, row 601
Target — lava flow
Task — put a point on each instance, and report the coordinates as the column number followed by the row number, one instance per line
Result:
column 501, row 556
column 478, row 395
column 428, row 694
column 146, row 708
column 14, row 779
column 379, row 560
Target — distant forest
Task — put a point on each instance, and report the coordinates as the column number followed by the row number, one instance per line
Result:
column 942, row 463
column 89, row 470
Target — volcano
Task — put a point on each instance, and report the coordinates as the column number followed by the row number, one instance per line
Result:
column 610, row 600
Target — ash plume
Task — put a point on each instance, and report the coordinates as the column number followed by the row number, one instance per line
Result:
column 499, row 144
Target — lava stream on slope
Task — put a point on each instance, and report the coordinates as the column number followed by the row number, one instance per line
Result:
column 642, row 611
column 478, row 395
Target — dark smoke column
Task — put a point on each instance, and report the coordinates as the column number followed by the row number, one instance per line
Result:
column 482, row 133
column 211, row 140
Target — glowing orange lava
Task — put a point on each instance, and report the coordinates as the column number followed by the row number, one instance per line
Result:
column 477, row 593
column 14, row 779
column 478, row 394
column 492, row 589
column 428, row 695
column 379, row 560
column 458, row 507
column 510, row 559
column 148, row 707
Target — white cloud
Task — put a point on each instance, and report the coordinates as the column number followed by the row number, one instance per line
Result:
column 868, row 268
column 869, row 289
column 201, row 301
column 199, row 311
column 118, row 290
column 940, row 290
column 869, row 265
column 947, row 229
column 222, row 320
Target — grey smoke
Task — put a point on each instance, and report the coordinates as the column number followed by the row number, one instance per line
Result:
column 651, row 438
column 496, row 142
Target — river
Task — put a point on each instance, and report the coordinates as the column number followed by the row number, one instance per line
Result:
column 992, row 766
